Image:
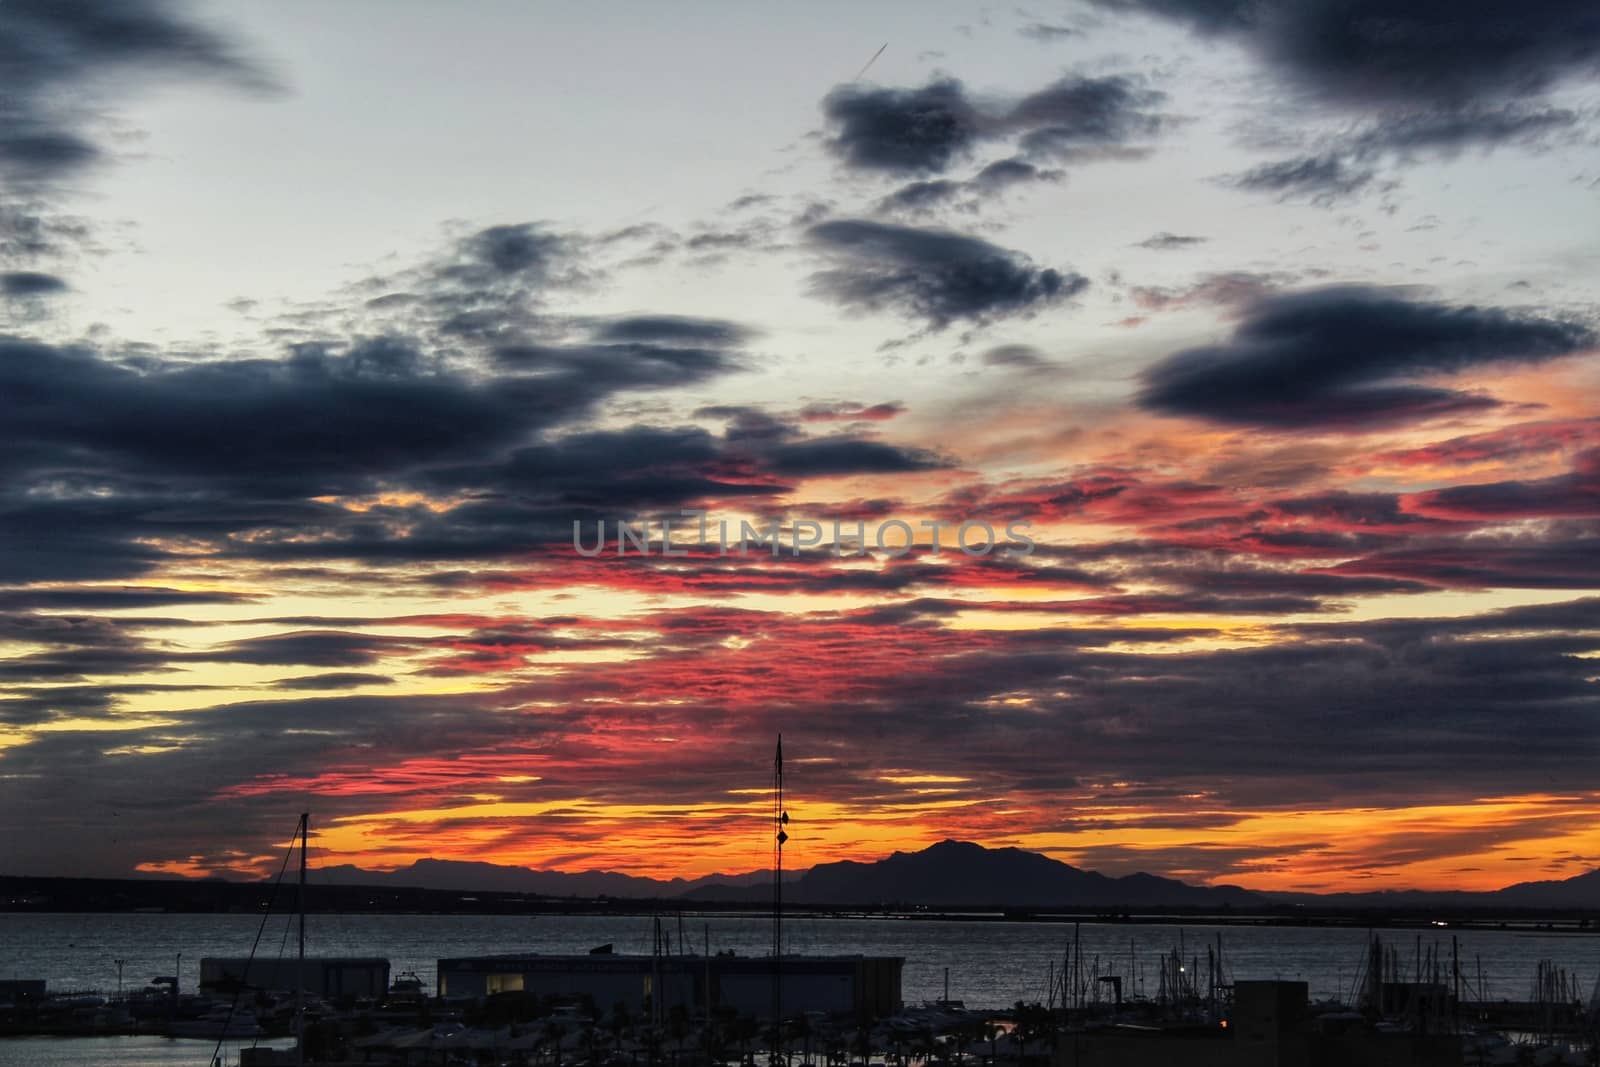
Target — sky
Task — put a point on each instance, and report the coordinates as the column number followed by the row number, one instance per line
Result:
column 1231, row 366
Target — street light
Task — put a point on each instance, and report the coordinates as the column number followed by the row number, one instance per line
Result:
column 119, row 964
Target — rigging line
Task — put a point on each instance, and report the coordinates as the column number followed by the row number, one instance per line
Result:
column 260, row 929
column 283, row 946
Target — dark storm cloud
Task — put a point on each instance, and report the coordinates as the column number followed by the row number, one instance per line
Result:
column 1432, row 77
column 326, row 648
column 843, row 455
column 205, row 450
column 318, row 421
column 1350, row 358
column 92, row 598
column 28, row 283
column 1415, row 54
column 926, row 130
column 931, row 276
column 53, row 50
column 903, row 130
column 317, row 418
column 611, row 470
column 71, row 540
column 674, row 329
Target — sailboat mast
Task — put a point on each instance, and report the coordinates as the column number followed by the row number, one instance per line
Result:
column 780, row 818
column 300, row 966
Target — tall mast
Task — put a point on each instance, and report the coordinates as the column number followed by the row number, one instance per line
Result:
column 300, row 966
column 780, row 819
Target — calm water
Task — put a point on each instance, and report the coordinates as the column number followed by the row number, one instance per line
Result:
column 990, row 963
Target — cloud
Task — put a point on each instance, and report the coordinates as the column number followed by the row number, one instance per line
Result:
column 310, row 648
column 1226, row 290
column 1573, row 495
column 843, row 455
column 934, row 277
column 674, row 330
column 1044, row 33
column 1561, row 556
column 54, row 51
column 1322, row 179
column 1167, row 242
column 1374, row 53
column 1350, row 358
column 1426, row 79
column 850, row 411
column 333, row 680
column 930, row 196
column 1025, row 358
column 1075, row 117
column 927, row 130
column 902, row 130
column 28, row 283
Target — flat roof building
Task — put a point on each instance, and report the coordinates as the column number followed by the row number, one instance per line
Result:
column 866, row 987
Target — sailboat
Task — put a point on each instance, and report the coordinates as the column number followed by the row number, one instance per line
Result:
column 232, row 1024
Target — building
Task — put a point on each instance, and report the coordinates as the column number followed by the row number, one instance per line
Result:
column 1271, row 1025
column 866, row 987
column 325, row 976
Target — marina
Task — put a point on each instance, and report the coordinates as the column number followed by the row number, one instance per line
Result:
column 960, row 979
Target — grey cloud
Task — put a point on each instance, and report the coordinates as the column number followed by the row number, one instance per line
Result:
column 1350, row 357
column 934, row 277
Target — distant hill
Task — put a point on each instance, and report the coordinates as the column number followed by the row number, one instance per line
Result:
column 467, row 876
column 1580, row 892
column 948, row 874
column 954, row 873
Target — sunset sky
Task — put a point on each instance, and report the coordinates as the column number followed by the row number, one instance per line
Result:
column 1275, row 322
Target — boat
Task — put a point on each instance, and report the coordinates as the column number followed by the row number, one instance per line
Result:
column 222, row 1021
column 407, row 985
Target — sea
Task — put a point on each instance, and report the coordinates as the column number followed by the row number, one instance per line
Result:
column 986, row 962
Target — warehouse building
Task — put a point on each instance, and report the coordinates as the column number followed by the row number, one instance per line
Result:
column 866, row 987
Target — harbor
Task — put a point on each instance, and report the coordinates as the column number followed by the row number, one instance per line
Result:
column 1202, row 998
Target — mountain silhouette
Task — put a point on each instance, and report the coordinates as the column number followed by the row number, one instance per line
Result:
column 954, row 873
column 948, row 874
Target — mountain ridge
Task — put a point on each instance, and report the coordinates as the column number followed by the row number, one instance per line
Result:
column 947, row 873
